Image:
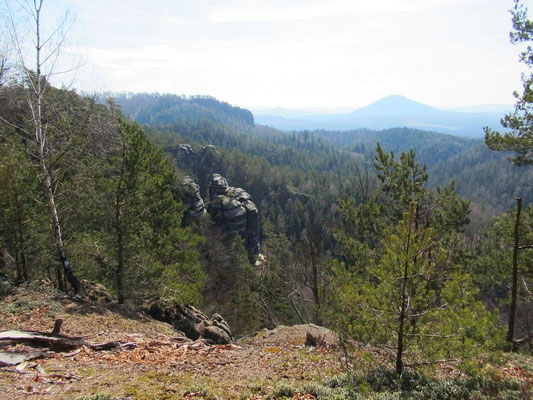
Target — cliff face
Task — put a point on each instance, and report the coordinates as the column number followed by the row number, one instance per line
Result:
column 193, row 203
column 233, row 209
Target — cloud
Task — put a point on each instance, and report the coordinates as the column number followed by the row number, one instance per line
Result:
column 323, row 9
column 305, row 52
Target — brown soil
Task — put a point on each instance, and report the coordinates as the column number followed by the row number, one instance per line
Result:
column 160, row 367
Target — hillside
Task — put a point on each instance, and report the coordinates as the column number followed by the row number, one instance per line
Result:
column 155, row 109
column 271, row 364
column 157, row 246
column 160, row 366
column 481, row 175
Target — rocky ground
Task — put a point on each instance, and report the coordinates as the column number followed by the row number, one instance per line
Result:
column 162, row 365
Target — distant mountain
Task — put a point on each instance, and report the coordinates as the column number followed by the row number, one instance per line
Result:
column 299, row 113
column 486, row 108
column 390, row 112
column 155, row 108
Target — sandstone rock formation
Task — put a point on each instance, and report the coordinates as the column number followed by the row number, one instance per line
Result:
column 185, row 156
column 233, row 209
column 191, row 321
column 193, row 203
column 230, row 208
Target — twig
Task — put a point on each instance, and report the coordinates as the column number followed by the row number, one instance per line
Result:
column 432, row 362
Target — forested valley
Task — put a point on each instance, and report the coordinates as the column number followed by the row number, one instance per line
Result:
column 414, row 247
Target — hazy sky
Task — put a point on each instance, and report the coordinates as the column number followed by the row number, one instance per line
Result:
column 299, row 53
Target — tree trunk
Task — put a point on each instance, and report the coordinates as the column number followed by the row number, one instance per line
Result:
column 40, row 139
column 314, row 253
column 401, row 321
column 514, row 286
column 21, row 243
column 67, row 270
column 119, row 272
column 403, row 298
column 120, row 258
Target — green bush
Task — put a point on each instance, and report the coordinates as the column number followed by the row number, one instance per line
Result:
column 324, row 392
column 96, row 396
column 383, row 384
column 283, row 390
column 202, row 391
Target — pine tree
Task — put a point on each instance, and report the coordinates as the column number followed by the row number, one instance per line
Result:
column 520, row 139
column 405, row 300
column 393, row 281
column 143, row 243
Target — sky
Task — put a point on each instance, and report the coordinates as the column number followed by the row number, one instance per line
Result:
column 296, row 53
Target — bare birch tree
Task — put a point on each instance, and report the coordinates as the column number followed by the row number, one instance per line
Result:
column 46, row 54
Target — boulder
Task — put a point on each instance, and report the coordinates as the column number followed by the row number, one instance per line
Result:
column 216, row 334
column 219, row 322
column 97, row 292
column 191, row 321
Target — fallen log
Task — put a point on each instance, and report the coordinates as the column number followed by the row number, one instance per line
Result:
column 8, row 359
column 57, row 343
column 53, row 340
column 111, row 345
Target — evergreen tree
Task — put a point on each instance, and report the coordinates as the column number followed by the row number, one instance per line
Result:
column 280, row 281
column 144, row 244
column 243, row 306
column 405, row 300
column 395, row 285
column 520, row 139
column 504, row 266
column 23, row 228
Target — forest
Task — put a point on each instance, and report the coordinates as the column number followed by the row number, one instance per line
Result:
column 413, row 242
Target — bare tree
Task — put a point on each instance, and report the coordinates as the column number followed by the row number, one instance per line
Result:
column 46, row 51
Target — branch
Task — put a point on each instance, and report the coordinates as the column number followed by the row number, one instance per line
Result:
column 525, row 286
column 440, row 308
column 431, row 336
column 433, row 362
column 523, row 340
column 26, row 133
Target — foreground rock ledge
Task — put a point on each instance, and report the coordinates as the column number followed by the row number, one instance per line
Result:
column 191, row 321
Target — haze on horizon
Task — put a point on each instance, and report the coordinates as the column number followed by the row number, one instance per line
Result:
column 298, row 53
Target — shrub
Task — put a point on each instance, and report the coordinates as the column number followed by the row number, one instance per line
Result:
column 96, row 396
column 200, row 391
column 283, row 390
column 386, row 384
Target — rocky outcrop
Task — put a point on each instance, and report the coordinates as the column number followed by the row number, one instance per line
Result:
column 233, row 209
column 185, row 156
column 208, row 151
column 187, row 159
column 97, row 292
column 229, row 207
column 218, row 186
column 191, row 321
column 192, row 201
